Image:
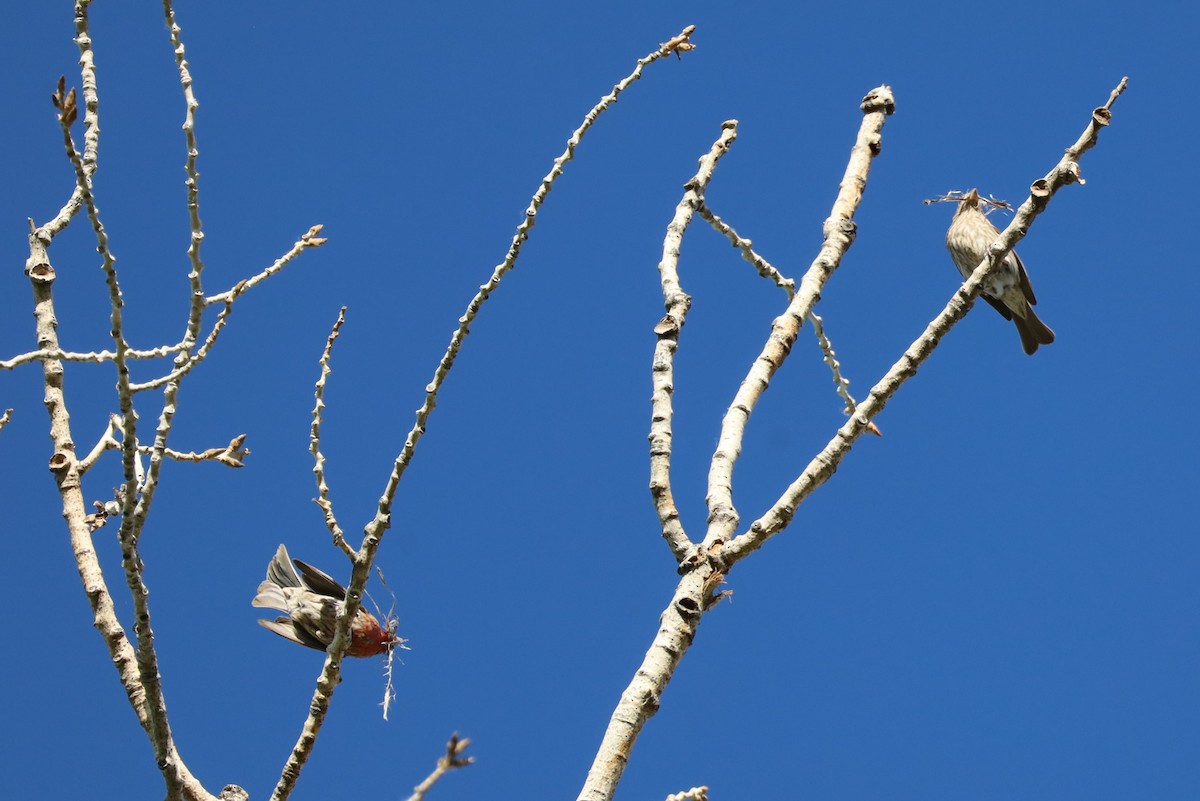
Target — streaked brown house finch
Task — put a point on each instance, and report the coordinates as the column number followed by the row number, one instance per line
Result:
column 313, row 600
column 1007, row 289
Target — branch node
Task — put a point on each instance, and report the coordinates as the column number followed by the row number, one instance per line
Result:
column 879, row 99
column 689, row 609
column 667, row 327
column 678, row 44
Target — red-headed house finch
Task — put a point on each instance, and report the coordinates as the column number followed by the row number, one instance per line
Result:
column 1007, row 288
column 313, row 600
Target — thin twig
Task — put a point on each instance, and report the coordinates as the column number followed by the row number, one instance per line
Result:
column 91, row 121
column 764, row 267
column 389, row 688
column 957, row 195
column 94, row 357
column 826, row 462
column 196, row 295
column 310, row 239
column 231, row 455
column 314, row 442
column 135, row 521
column 185, row 363
column 183, row 367
column 694, row 794
column 5, row 418
column 677, row 44
column 840, row 382
column 185, row 360
column 662, row 364
column 768, row 271
column 108, row 441
column 451, row 760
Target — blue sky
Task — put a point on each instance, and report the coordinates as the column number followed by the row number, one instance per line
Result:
column 996, row 600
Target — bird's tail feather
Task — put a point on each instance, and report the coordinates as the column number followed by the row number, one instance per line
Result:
column 1033, row 331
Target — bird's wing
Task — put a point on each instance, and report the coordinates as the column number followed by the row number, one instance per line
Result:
column 1026, row 287
column 287, row 629
column 320, row 582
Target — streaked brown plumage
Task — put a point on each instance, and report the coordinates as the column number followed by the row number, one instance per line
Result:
column 312, row 601
column 1007, row 289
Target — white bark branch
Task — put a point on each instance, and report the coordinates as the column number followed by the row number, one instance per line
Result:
column 825, row 463
column 314, row 443
column 678, row 622
column 374, row 531
column 451, row 760
column 839, row 232
column 662, row 369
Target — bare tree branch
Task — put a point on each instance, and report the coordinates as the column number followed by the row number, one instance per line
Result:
column 826, row 462
column 185, row 363
column 63, row 463
column 374, row 531
column 839, row 232
column 147, row 659
column 840, row 381
column 701, row 574
column 184, row 366
column 231, row 455
column 311, row 239
column 678, row 622
column 678, row 44
column 314, row 443
column 91, row 135
column 108, row 441
column 449, row 761
column 765, row 268
column 768, row 271
column 196, row 307
column 662, row 372
column 702, row 566
column 95, row 357
column 138, row 668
